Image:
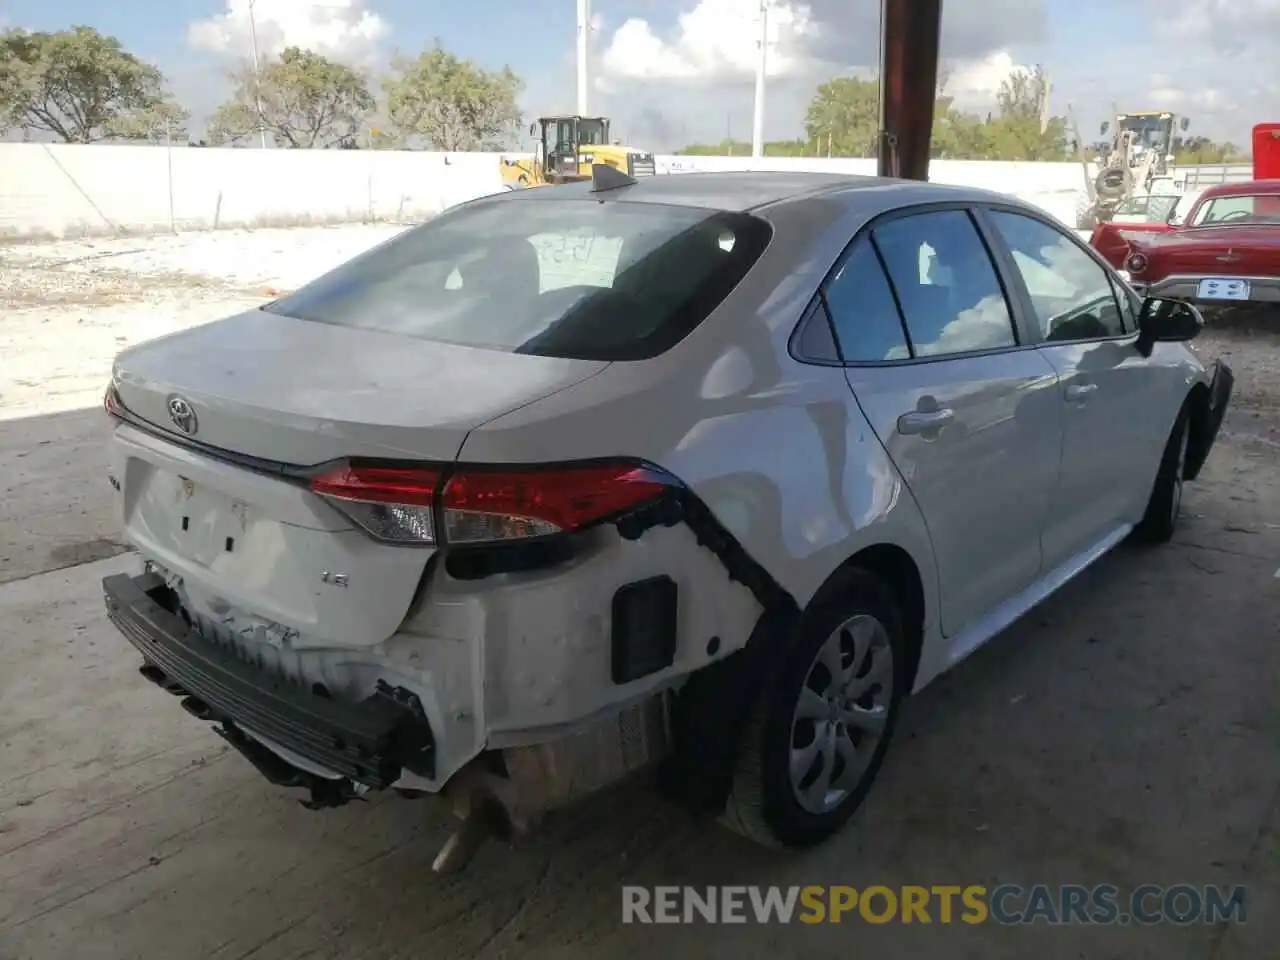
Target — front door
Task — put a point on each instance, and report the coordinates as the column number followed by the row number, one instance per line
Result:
column 972, row 421
column 1088, row 336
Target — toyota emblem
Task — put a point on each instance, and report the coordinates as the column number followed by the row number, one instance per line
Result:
column 182, row 415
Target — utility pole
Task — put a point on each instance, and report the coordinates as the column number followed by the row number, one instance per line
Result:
column 757, row 127
column 1046, row 89
column 584, row 53
column 257, row 77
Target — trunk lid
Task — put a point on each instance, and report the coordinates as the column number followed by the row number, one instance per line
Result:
column 1229, row 251
column 302, row 392
column 262, row 559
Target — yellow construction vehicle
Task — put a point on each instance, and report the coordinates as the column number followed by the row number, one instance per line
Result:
column 567, row 148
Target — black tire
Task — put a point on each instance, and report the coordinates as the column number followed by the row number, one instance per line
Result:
column 1161, row 518
column 763, row 805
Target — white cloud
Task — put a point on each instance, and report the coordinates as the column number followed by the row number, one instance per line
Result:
column 344, row 29
column 1226, row 52
column 716, row 40
column 1230, row 26
column 700, row 59
column 974, row 83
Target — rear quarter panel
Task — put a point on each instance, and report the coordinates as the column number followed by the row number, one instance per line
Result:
column 1113, row 240
column 778, row 450
column 1251, row 251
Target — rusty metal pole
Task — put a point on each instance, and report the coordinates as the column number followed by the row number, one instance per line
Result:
column 910, row 31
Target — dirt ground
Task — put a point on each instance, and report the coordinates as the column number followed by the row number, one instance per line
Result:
column 1126, row 732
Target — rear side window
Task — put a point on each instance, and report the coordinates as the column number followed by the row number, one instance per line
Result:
column 573, row 278
column 946, row 283
column 865, row 315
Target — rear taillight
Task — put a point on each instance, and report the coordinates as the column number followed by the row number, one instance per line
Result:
column 111, row 402
column 395, row 504
column 485, row 505
column 1136, row 263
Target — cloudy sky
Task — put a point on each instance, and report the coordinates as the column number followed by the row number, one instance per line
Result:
column 674, row 71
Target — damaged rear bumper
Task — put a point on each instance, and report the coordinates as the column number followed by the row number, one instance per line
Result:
column 339, row 749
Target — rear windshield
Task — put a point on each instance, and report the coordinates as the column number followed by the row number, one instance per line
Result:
column 574, row 278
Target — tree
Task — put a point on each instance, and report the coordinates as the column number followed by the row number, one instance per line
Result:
column 844, row 120
column 1023, row 129
column 1022, row 94
column 79, row 85
column 844, row 117
column 1193, row 150
column 165, row 122
column 739, row 148
column 447, row 103
column 302, row 99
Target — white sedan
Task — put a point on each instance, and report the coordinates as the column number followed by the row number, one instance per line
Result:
column 714, row 469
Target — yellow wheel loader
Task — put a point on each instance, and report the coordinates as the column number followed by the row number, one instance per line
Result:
column 566, row 150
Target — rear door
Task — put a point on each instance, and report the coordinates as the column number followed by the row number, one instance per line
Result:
column 970, row 418
column 1105, row 385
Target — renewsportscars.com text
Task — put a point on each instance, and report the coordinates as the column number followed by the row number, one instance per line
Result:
column 1009, row 904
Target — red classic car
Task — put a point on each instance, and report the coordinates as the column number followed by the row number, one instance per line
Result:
column 1226, row 250
column 1140, row 215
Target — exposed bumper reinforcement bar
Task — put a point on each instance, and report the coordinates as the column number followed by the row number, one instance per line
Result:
column 368, row 743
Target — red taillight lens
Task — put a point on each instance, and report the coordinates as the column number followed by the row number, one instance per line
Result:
column 111, row 402
column 396, row 504
column 410, row 486
column 481, row 506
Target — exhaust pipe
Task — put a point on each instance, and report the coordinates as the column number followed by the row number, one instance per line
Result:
column 161, row 679
column 484, row 816
column 197, row 708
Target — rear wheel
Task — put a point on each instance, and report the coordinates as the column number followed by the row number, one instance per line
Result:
column 1161, row 519
column 821, row 729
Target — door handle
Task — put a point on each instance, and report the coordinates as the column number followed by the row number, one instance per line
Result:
column 1078, row 392
column 922, row 421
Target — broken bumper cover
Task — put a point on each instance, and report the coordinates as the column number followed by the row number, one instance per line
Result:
column 1206, row 428
column 368, row 743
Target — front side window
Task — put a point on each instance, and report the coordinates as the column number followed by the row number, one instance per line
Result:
column 591, row 132
column 945, row 281
column 1128, row 316
column 1263, row 208
column 1071, row 293
column 571, row 278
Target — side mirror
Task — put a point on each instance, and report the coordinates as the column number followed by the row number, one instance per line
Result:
column 533, row 129
column 1186, row 122
column 1106, row 125
column 1164, row 320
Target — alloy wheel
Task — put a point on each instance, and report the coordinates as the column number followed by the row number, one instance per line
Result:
column 1179, row 471
column 841, row 712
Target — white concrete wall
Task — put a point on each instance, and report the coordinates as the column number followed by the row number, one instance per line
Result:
column 65, row 190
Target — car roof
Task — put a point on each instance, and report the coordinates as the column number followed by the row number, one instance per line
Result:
column 1242, row 188
column 742, row 190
